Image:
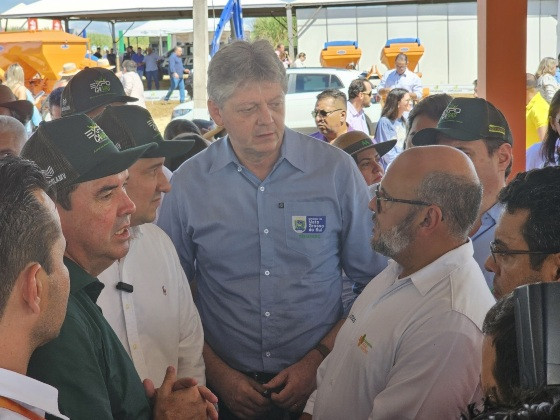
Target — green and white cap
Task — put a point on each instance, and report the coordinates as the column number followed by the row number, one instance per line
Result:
column 74, row 149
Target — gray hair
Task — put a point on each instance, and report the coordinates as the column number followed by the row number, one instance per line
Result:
column 10, row 124
column 129, row 65
column 458, row 197
column 241, row 63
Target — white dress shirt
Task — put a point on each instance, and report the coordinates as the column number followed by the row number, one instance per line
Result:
column 158, row 323
column 410, row 348
column 36, row 396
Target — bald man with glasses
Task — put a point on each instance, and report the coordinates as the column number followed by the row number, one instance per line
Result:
column 411, row 344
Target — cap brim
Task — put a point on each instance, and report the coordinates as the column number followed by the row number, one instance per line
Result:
column 115, row 163
column 108, row 100
column 383, row 147
column 170, row 149
column 23, row 107
column 428, row 136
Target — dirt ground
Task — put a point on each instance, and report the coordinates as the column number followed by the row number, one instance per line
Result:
column 161, row 112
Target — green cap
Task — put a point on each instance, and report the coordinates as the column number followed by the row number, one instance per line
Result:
column 73, row 149
column 467, row 119
column 91, row 88
column 131, row 125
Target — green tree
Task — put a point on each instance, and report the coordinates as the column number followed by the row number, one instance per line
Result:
column 274, row 29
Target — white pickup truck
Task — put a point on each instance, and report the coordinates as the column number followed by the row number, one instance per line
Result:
column 304, row 84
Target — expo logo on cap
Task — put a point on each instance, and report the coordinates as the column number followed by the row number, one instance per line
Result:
column 49, row 173
column 152, row 125
column 100, row 86
column 96, row 133
column 451, row 113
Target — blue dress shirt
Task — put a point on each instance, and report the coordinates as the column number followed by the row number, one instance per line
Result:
column 176, row 65
column 267, row 255
column 482, row 238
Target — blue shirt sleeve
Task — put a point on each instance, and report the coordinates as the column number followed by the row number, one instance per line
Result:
column 384, row 130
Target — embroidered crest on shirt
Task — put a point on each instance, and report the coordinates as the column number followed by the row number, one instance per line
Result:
column 309, row 226
column 164, row 290
column 363, row 344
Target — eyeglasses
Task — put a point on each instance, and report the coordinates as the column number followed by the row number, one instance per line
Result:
column 322, row 113
column 369, row 93
column 495, row 250
column 379, row 199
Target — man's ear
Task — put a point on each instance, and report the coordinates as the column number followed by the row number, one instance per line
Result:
column 432, row 219
column 32, row 277
column 504, row 155
column 555, row 261
column 215, row 112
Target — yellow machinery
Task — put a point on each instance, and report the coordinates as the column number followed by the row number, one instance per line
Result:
column 409, row 46
column 42, row 54
column 341, row 54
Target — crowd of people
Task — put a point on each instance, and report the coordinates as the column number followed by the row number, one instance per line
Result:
column 268, row 274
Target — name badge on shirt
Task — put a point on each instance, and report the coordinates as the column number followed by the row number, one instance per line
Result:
column 312, row 225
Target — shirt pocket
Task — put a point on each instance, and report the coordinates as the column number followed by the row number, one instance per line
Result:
column 309, row 226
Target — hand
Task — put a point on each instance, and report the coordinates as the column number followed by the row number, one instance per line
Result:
column 299, row 381
column 184, row 403
column 243, row 396
column 205, row 393
column 175, row 75
column 186, row 71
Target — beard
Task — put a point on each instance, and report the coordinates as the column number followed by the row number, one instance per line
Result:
column 394, row 241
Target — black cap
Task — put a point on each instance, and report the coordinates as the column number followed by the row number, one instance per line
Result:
column 91, row 88
column 467, row 119
column 131, row 125
column 353, row 142
column 73, row 149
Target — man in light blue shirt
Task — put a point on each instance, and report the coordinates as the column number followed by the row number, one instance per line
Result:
column 401, row 77
column 479, row 129
column 264, row 221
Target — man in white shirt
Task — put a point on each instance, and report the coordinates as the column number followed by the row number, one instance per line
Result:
column 411, row 345
column 132, row 83
column 401, row 77
column 147, row 298
column 34, row 287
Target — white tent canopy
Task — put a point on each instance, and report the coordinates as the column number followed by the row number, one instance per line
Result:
column 111, row 10
column 165, row 27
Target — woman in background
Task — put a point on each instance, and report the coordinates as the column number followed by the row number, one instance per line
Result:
column 392, row 124
column 546, row 80
column 16, row 82
column 545, row 153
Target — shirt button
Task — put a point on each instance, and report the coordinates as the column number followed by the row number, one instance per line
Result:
column 261, row 188
column 265, row 231
column 135, row 347
column 267, row 354
column 239, row 169
column 267, row 273
column 127, row 306
column 267, row 313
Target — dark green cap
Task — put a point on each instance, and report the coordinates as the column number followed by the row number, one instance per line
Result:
column 467, row 119
column 91, row 88
column 131, row 125
column 73, row 149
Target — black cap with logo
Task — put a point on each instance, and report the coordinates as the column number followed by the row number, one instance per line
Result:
column 74, row 149
column 131, row 125
column 91, row 88
column 467, row 119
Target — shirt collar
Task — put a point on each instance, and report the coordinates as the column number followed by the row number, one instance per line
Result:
column 495, row 211
column 36, row 394
column 289, row 150
column 352, row 111
column 81, row 279
column 427, row 277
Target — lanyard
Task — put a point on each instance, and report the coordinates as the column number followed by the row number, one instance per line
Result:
column 17, row 408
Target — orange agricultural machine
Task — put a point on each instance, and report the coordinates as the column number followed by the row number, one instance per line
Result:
column 341, row 54
column 42, row 55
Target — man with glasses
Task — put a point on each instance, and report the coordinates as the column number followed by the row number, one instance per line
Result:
column 526, row 248
column 401, row 77
column 359, row 97
column 330, row 115
column 479, row 129
column 411, row 344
